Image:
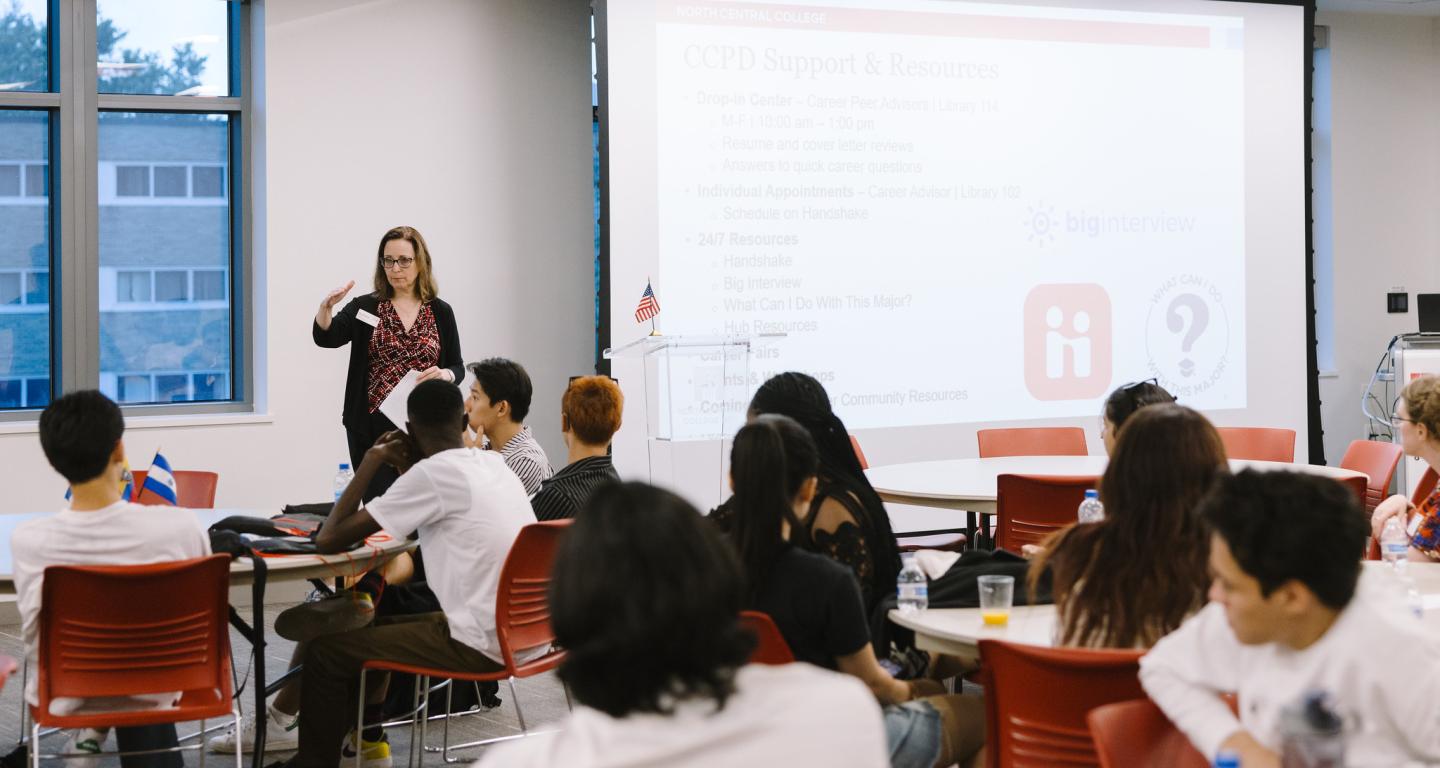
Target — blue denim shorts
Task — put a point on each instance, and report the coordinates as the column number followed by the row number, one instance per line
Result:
column 914, row 735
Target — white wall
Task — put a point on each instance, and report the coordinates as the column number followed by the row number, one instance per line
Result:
column 467, row 119
column 1386, row 162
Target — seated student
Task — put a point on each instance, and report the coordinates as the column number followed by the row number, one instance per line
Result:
column 1133, row 577
column 645, row 598
column 1291, row 613
column 468, row 508
column 498, row 403
column 80, row 434
column 1123, row 403
column 1417, row 422
column 589, row 417
column 816, row 602
column 846, row 520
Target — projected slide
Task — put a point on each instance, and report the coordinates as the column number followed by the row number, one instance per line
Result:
column 958, row 212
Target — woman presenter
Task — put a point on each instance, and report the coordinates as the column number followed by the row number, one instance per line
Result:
column 402, row 326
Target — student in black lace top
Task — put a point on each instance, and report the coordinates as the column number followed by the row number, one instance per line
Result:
column 846, row 520
column 815, row 601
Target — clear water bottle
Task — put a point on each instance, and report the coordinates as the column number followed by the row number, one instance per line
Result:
column 1226, row 759
column 1394, row 544
column 342, row 479
column 1091, row 510
column 912, row 591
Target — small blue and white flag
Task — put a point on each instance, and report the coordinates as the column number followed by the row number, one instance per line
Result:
column 159, row 483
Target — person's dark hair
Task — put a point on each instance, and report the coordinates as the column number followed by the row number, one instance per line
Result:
column 803, row 399
column 505, row 380
column 772, row 458
column 78, row 432
column 1126, row 400
column 1131, row 578
column 1281, row 526
column 645, row 598
column 436, row 406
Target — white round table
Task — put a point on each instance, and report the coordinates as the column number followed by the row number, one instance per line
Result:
column 958, row 631
column 969, row 484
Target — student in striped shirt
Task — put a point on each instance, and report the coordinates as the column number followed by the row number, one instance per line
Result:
column 498, row 403
column 589, row 417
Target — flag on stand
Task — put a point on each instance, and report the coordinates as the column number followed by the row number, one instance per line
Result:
column 648, row 307
column 126, row 487
column 159, row 484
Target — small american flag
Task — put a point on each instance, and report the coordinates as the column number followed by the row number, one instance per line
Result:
column 648, row 306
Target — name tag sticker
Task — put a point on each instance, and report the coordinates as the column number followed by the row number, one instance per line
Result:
column 367, row 318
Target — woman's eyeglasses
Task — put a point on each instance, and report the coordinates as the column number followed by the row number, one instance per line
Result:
column 403, row 262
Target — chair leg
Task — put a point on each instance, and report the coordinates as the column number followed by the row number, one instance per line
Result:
column 34, row 741
column 359, row 718
column 445, row 739
column 239, row 729
column 203, row 750
column 519, row 713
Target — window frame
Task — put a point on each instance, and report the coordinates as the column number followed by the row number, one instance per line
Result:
column 74, row 105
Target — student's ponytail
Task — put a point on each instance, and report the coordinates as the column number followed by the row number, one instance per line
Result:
column 771, row 460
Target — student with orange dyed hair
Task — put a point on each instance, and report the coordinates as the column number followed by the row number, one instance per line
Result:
column 589, row 417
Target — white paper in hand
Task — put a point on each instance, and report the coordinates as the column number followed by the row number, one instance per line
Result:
column 394, row 406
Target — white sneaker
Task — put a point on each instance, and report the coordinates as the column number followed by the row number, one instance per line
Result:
column 85, row 740
column 282, row 734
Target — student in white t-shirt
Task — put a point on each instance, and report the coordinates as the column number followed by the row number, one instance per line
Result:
column 646, row 599
column 467, row 507
column 81, row 436
column 1290, row 613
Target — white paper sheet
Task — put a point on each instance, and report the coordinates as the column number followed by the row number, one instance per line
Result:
column 394, row 406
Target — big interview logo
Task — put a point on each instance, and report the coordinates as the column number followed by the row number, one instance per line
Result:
column 1068, row 349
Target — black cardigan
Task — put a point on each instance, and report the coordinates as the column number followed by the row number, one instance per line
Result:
column 346, row 329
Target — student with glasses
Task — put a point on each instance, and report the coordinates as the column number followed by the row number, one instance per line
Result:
column 1124, row 402
column 402, row 326
column 1417, row 428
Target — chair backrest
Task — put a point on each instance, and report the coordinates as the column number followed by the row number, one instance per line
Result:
column 1136, row 733
column 104, row 633
column 1359, row 487
column 1425, row 486
column 1027, row 723
column 1030, row 507
column 1258, row 443
column 193, row 489
column 522, row 602
column 1031, row 441
column 859, row 454
column 770, row 646
column 1378, row 461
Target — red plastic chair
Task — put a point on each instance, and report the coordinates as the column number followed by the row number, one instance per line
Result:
column 1031, row 441
column 522, row 622
column 103, row 634
column 193, row 489
column 1036, row 700
column 1378, row 461
column 771, row 647
column 1258, row 443
column 859, row 454
column 1136, row 734
column 1028, row 508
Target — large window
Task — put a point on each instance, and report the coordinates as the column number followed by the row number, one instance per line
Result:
column 123, row 255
